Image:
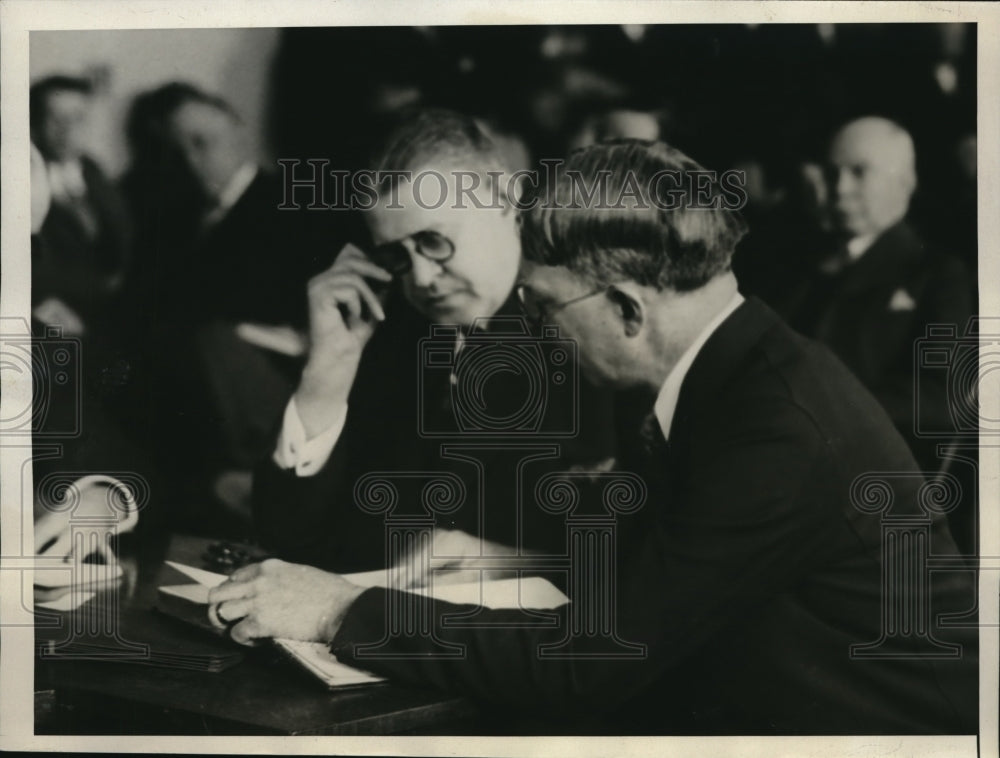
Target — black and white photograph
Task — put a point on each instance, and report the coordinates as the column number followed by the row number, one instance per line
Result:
column 552, row 378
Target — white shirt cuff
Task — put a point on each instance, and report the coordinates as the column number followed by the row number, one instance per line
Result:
column 306, row 456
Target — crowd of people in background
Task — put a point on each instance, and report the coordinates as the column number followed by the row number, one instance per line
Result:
column 185, row 283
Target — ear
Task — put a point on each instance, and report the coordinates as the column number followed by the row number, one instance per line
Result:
column 629, row 306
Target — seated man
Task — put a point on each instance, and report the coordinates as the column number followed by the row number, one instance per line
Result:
column 80, row 263
column 372, row 400
column 874, row 296
column 212, row 304
column 750, row 595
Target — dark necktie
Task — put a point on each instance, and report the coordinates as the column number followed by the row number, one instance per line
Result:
column 654, row 443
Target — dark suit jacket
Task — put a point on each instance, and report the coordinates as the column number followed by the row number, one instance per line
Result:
column 748, row 574
column 853, row 314
column 402, row 418
column 250, row 265
column 78, row 265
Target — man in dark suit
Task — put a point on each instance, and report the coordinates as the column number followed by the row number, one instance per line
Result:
column 227, row 307
column 750, row 595
column 380, row 393
column 872, row 299
column 78, row 271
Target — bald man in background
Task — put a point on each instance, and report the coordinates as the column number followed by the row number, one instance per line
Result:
column 873, row 297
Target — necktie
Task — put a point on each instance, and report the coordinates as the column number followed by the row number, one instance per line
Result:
column 653, row 441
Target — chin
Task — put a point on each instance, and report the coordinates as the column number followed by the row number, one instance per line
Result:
column 596, row 377
column 459, row 309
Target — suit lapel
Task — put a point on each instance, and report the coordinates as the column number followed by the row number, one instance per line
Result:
column 721, row 355
column 884, row 262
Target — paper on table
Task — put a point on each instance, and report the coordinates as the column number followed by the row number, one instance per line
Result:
column 68, row 602
column 518, row 592
column 315, row 657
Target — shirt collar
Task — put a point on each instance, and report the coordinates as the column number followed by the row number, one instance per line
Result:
column 858, row 246
column 242, row 178
column 666, row 401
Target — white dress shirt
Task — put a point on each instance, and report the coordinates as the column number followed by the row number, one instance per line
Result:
column 666, row 400
column 306, row 456
column 238, row 184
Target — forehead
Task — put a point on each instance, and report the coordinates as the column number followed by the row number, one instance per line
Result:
column 65, row 101
column 863, row 146
column 432, row 200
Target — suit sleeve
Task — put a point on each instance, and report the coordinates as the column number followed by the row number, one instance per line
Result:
column 314, row 519
column 748, row 518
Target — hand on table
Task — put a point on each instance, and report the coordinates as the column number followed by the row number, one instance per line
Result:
column 278, row 599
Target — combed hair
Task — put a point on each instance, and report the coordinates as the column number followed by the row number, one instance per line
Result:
column 679, row 249
column 437, row 136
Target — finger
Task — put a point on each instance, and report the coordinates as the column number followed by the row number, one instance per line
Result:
column 353, row 283
column 246, row 632
column 373, row 302
column 363, row 267
column 231, row 591
column 332, row 293
column 348, row 298
column 234, row 610
column 223, row 614
column 246, row 573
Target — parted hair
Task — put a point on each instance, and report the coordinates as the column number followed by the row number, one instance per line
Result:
column 679, row 248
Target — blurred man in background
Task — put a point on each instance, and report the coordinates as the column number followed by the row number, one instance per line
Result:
column 80, row 263
column 874, row 296
column 227, row 307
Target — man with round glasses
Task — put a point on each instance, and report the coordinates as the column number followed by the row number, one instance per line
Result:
column 769, row 584
column 444, row 250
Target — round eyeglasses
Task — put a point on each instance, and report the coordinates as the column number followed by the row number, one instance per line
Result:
column 394, row 257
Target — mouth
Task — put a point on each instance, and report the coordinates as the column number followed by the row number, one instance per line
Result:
column 439, row 299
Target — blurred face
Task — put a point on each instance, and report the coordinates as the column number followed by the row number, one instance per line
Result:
column 591, row 320
column 870, row 179
column 211, row 142
column 63, row 132
column 479, row 275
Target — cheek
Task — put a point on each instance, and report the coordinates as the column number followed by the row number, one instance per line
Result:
column 494, row 260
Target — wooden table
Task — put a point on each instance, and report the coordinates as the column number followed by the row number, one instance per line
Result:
column 264, row 694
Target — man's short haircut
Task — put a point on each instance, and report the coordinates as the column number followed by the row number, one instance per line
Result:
column 434, row 137
column 645, row 240
column 40, row 91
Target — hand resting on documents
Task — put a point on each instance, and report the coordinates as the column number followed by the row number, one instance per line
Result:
column 279, row 600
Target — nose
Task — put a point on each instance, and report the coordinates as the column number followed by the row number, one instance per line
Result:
column 843, row 183
column 423, row 270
